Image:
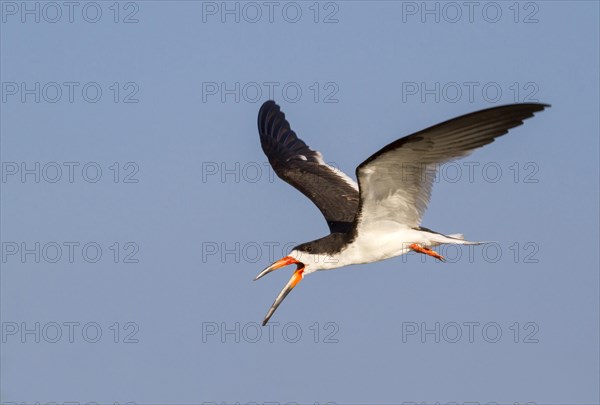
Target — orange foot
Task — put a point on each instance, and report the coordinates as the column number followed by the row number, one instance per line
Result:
column 420, row 249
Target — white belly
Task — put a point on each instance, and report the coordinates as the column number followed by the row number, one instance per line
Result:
column 386, row 240
column 377, row 242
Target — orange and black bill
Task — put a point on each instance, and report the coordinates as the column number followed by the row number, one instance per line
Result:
column 296, row 277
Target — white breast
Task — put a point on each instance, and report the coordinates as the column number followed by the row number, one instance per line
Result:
column 383, row 240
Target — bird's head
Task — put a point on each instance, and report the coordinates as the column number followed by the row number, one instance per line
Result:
column 308, row 258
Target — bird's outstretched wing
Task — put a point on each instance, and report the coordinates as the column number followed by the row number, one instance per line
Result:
column 395, row 183
column 332, row 191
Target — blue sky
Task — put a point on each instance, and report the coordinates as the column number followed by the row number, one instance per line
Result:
column 137, row 206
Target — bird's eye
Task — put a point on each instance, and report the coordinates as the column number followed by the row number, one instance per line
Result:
column 309, row 249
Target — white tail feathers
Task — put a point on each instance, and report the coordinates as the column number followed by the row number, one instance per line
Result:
column 455, row 238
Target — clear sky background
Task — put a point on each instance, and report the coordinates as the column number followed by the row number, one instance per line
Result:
column 190, row 213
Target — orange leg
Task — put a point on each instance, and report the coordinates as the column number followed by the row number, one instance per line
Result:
column 420, row 249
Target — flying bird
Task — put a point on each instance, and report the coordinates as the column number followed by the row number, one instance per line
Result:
column 379, row 217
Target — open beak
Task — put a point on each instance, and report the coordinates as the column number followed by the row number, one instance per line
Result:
column 296, row 277
column 278, row 264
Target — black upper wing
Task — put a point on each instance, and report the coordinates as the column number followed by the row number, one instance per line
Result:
column 395, row 183
column 332, row 191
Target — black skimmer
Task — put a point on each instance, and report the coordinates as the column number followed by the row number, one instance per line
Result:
column 380, row 217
